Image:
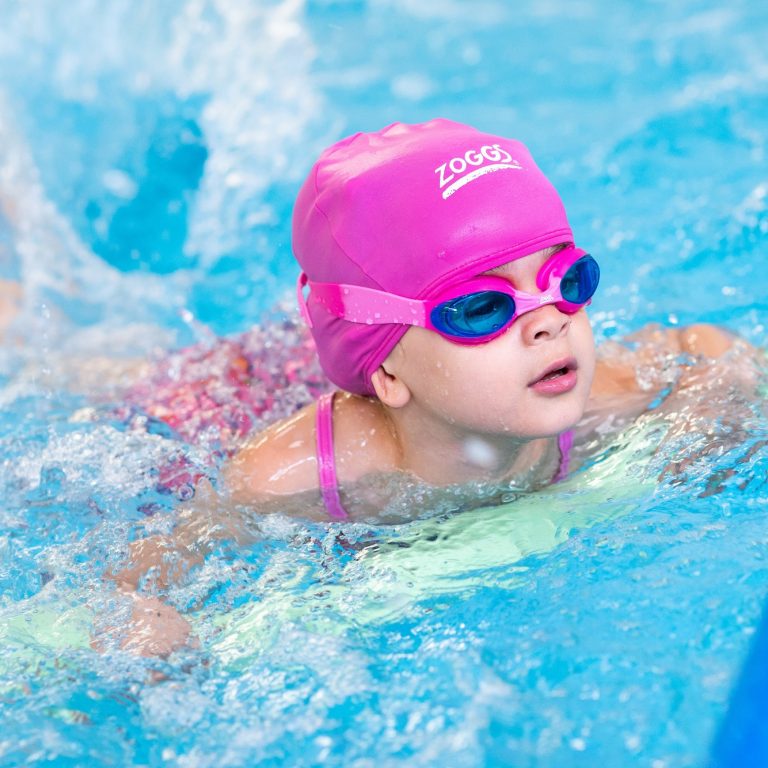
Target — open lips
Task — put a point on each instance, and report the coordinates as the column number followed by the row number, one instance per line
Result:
column 559, row 377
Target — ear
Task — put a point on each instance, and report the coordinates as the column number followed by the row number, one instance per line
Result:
column 389, row 387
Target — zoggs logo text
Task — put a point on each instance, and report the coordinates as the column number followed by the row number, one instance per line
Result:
column 459, row 171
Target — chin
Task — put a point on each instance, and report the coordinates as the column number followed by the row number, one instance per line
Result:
column 546, row 418
column 560, row 421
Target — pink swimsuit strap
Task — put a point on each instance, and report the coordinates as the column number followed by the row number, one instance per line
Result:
column 326, row 459
column 564, row 443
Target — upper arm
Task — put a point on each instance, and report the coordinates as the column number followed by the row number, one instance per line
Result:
column 641, row 366
column 628, row 378
column 705, row 340
column 649, row 363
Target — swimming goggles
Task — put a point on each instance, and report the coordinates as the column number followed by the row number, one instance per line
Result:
column 472, row 312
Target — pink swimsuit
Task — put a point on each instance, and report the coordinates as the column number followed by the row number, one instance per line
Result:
column 326, row 461
column 213, row 395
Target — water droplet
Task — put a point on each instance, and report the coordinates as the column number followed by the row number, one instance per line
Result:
column 632, row 742
column 578, row 744
column 185, row 492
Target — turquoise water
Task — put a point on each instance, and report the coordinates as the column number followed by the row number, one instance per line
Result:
column 149, row 156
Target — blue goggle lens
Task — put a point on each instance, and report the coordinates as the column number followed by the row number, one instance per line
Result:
column 579, row 283
column 482, row 314
column 474, row 315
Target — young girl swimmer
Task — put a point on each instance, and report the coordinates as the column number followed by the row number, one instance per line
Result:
column 447, row 298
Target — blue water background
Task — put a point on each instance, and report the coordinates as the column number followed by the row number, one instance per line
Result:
column 149, row 157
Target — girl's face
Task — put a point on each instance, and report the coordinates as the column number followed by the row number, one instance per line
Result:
column 532, row 381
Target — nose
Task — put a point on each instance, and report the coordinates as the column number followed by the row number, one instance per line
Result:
column 544, row 324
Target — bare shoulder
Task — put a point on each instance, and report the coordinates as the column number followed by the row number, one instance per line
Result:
column 281, row 461
column 276, row 462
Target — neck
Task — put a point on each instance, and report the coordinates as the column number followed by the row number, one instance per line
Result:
column 440, row 453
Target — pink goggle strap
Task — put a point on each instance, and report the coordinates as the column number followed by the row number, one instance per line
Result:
column 367, row 305
column 358, row 304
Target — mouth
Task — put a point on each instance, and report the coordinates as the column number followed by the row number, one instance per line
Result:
column 558, row 377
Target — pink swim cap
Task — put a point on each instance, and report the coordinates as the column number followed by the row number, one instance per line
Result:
column 412, row 209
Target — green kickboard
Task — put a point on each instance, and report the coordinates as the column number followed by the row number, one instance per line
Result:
column 433, row 557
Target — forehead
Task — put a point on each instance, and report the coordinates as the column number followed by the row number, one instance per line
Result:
column 530, row 264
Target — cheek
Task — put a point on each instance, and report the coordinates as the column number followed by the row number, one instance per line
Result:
column 471, row 385
column 585, row 343
column 443, row 375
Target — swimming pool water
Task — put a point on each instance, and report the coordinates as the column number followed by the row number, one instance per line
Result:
column 149, row 157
